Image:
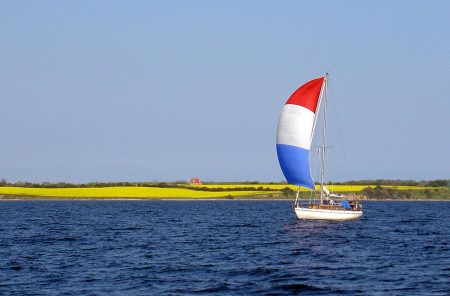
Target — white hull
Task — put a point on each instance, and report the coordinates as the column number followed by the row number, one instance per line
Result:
column 324, row 214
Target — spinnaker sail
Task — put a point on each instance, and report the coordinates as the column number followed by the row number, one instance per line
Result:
column 295, row 132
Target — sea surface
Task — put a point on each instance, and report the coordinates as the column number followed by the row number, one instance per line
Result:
column 220, row 248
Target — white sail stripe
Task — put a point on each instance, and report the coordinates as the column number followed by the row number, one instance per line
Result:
column 295, row 126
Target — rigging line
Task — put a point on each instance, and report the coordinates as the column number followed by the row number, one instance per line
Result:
column 314, row 170
column 331, row 90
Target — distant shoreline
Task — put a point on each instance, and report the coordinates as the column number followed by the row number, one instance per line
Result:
column 46, row 198
column 237, row 191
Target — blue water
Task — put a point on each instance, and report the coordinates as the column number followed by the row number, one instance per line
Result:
column 220, row 248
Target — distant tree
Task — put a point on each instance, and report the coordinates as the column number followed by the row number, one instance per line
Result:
column 437, row 183
column 181, row 182
column 287, row 191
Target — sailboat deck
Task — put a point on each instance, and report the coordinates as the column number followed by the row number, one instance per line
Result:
column 333, row 207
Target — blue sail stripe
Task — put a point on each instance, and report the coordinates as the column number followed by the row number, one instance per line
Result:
column 294, row 162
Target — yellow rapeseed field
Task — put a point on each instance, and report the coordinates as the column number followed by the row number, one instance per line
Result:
column 121, row 192
column 154, row 192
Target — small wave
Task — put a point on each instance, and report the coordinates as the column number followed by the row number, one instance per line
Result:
column 393, row 280
column 287, row 277
column 383, row 267
column 219, row 288
column 429, row 247
column 260, row 271
column 299, row 288
column 167, row 269
column 67, row 239
column 125, row 228
column 300, row 251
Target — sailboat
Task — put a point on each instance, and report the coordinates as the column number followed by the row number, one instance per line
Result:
column 295, row 133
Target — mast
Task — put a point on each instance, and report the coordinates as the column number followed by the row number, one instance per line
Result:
column 322, row 171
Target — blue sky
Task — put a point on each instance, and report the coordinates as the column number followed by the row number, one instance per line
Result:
column 168, row 90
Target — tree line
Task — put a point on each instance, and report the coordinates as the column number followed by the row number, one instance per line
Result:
column 246, row 186
column 380, row 192
column 385, row 182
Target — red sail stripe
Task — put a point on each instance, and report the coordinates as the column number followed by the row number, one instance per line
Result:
column 307, row 95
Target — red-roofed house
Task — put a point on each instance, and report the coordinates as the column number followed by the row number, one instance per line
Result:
column 196, row 181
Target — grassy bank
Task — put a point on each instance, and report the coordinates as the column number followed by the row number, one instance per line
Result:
column 221, row 191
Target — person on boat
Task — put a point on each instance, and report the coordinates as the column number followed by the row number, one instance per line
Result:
column 352, row 204
column 346, row 205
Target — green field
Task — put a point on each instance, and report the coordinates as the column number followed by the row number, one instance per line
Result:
column 196, row 191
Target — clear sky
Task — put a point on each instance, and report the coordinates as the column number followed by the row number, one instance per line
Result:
column 169, row 90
